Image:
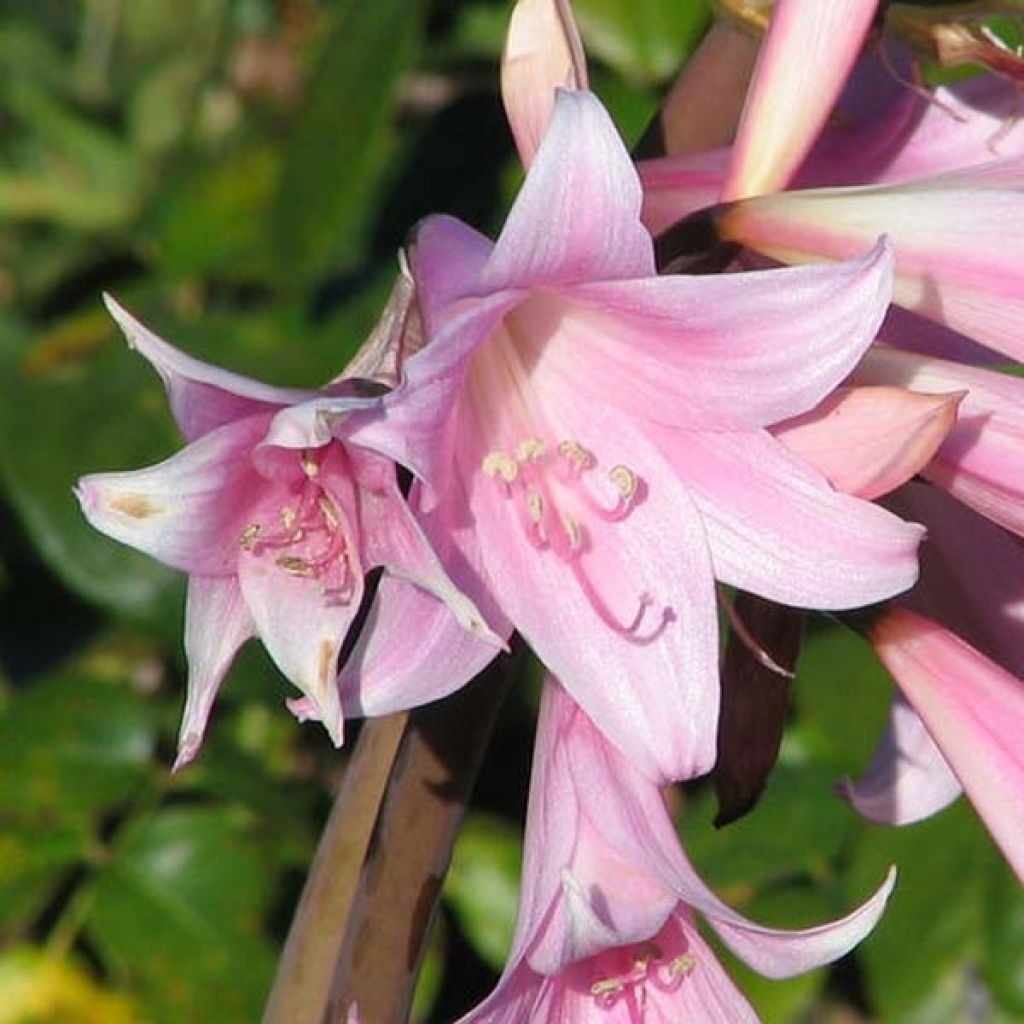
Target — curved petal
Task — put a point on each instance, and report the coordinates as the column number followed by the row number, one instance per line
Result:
column 723, row 352
column 217, row 623
column 412, row 650
column 809, row 50
column 974, row 711
column 777, row 529
column 868, row 440
column 187, row 511
column 577, row 217
column 908, row 779
column 543, row 51
column 958, row 242
column 202, row 397
column 632, row 637
column 981, row 462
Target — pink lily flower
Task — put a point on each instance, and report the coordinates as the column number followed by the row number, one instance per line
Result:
column 606, row 927
column 275, row 519
column 974, row 711
column 572, row 417
column 805, row 58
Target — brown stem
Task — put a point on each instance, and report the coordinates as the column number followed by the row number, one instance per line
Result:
column 359, row 932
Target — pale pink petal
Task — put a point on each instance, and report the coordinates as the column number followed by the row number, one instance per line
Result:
column 202, row 397
column 543, row 51
column 981, row 462
column 177, row 511
column 805, row 58
column 391, row 537
column 958, row 242
column 631, row 634
column 676, row 186
column 217, row 623
column 974, row 711
column 776, row 528
column 411, row 650
column 908, row 779
column 721, row 352
column 972, row 574
column 577, row 216
column 869, row 440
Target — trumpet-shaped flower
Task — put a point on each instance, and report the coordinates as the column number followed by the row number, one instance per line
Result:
column 573, row 417
column 275, row 519
column 606, row 928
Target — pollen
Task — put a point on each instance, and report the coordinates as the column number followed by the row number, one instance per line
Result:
column 328, row 511
column 500, row 465
column 247, row 538
column 309, row 465
column 625, row 481
column 683, row 965
column 573, row 531
column 534, row 506
column 296, row 566
column 530, row 449
column 575, row 454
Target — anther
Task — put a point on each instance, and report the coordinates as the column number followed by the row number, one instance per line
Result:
column 329, row 512
column 574, row 453
column 247, row 538
column 310, row 466
column 296, row 566
column 574, row 532
column 500, row 465
column 683, row 965
column 288, row 516
column 530, row 449
column 534, row 506
column 625, row 480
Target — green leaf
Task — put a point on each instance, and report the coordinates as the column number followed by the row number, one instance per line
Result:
column 482, row 887
column 72, row 745
column 177, row 914
column 1003, row 936
column 334, row 157
column 78, row 402
column 645, row 40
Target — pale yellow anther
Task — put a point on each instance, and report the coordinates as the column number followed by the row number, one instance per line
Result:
column 500, row 465
column 530, row 449
column 309, row 465
column 329, row 512
column 534, row 506
column 575, row 453
column 683, row 965
column 288, row 516
column 573, row 531
column 606, row 986
column 247, row 538
column 625, row 480
column 296, row 566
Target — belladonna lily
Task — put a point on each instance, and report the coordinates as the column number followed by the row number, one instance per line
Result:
column 275, row 519
column 606, row 929
column 589, row 440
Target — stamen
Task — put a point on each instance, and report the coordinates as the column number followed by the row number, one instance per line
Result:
column 534, row 506
column 310, row 466
column 247, row 538
column 625, row 480
column 288, row 517
column 500, row 465
column 576, row 455
column 530, row 449
column 574, row 532
column 330, row 513
column 296, row 566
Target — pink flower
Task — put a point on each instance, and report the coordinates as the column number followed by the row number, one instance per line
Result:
column 590, row 442
column 275, row 516
column 606, row 926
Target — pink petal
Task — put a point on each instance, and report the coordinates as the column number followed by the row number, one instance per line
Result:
column 187, row 511
column 217, row 623
column 805, row 58
column 722, row 352
column 577, row 217
column 676, row 186
column 908, row 778
column 202, row 397
column 981, row 462
column 869, row 440
column 543, row 51
column 974, row 711
column 776, row 528
column 412, row 650
column 632, row 636
column 958, row 242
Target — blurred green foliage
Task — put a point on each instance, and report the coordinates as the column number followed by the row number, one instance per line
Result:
column 241, row 173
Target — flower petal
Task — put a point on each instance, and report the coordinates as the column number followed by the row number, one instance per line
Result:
column 958, row 242
column 805, row 58
column 908, row 778
column 543, row 51
column 974, row 711
column 777, row 529
column 723, row 352
column 217, row 623
column 577, row 216
column 676, row 186
column 869, row 440
column 202, row 397
column 187, row 511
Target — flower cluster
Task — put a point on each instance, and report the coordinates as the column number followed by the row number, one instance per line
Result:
column 595, row 444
